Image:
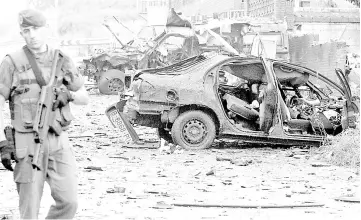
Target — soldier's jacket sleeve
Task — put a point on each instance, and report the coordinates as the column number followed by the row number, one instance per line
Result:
column 7, row 69
column 73, row 80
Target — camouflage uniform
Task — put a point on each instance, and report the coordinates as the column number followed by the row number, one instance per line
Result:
column 18, row 85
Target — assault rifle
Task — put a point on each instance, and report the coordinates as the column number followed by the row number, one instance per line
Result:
column 45, row 118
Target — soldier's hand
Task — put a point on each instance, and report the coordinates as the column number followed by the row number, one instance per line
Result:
column 7, row 152
column 63, row 97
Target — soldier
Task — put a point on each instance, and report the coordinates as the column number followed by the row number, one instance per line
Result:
column 20, row 84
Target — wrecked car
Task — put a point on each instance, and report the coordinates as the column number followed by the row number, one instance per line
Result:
column 250, row 99
column 113, row 70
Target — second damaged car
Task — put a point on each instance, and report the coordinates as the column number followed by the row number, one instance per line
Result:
column 251, row 99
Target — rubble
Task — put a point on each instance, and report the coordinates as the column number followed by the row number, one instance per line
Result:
column 223, row 158
column 93, row 168
column 6, row 216
column 162, row 205
column 241, row 162
column 168, row 148
column 320, row 164
column 116, row 189
column 209, row 173
column 352, row 199
column 183, row 178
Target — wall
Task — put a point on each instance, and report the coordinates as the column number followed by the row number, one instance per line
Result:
column 261, row 8
column 348, row 32
column 324, row 58
column 208, row 7
column 284, row 10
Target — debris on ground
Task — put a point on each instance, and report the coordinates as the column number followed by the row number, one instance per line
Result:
column 119, row 157
column 116, row 189
column 162, row 205
column 348, row 199
column 182, row 178
column 344, row 149
column 85, row 134
column 78, row 145
column 241, row 162
column 197, row 173
column 227, row 182
column 93, row 168
column 211, row 172
column 300, row 151
column 320, row 164
column 6, row 216
column 303, row 205
column 141, row 145
column 168, row 148
column 223, row 158
column 289, row 154
column 152, row 140
column 300, row 156
column 301, row 191
column 156, row 192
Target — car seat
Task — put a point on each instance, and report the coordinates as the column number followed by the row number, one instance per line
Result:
column 240, row 107
column 299, row 126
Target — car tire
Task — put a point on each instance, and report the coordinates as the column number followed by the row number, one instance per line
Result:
column 111, row 82
column 164, row 135
column 194, row 130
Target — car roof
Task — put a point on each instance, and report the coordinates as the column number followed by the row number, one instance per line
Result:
column 192, row 64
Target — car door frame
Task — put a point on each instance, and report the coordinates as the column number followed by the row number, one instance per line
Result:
column 270, row 78
column 272, row 85
column 344, row 89
column 278, row 130
column 350, row 108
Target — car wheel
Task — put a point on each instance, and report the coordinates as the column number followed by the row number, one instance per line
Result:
column 194, row 130
column 165, row 135
column 111, row 82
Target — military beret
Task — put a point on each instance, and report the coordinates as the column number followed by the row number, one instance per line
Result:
column 31, row 17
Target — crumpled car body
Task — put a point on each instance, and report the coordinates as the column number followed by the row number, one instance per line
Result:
column 173, row 45
column 250, row 99
column 113, row 70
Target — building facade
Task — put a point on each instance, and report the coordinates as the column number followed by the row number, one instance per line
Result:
column 155, row 11
column 211, row 8
column 143, row 6
column 276, row 9
column 201, row 10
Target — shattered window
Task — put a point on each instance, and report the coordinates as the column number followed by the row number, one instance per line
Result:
column 324, row 87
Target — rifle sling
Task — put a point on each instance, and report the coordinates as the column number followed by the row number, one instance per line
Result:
column 37, row 72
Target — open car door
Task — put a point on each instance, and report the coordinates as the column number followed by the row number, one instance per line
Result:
column 350, row 108
column 268, row 110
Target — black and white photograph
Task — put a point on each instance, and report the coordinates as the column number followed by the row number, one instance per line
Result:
column 180, row 109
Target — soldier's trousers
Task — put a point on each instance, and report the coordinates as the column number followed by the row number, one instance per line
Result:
column 61, row 175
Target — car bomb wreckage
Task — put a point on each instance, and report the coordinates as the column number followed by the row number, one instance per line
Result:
column 222, row 94
column 252, row 99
